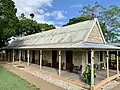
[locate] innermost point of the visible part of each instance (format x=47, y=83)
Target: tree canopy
x=8, y=21
x=109, y=19
x=11, y=25
x=29, y=26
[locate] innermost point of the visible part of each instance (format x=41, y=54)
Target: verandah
x=92, y=66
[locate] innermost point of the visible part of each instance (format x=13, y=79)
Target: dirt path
x=43, y=85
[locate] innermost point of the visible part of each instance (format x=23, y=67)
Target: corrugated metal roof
x=115, y=44
x=95, y=46
x=82, y=45
x=69, y=34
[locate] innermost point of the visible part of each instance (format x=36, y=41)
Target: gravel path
x=43, y=85
x=117, y=87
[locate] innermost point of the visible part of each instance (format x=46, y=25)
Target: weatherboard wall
x=95, y=35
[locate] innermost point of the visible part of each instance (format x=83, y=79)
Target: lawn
x=10, y=81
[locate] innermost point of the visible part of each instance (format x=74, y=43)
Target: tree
x=109, y=17
x=32, y=16
x=10, y=25
x=22, y=16
x=8, y=21
x=27, y=26
x=78, y=19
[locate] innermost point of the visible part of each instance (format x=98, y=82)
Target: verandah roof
x=81, y=45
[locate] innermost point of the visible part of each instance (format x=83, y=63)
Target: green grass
x=10, y=81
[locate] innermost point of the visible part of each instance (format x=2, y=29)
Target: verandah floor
x=100, y=75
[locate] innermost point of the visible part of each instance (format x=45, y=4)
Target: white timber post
x=92, y=69
x=1, y=55
x=5, y=55
x=40, y=59
x=28, y=57
x=107, y=64
x=19, y=56
x=117, y=62
x=8, y=56
x=13, y=55
x=59, y=62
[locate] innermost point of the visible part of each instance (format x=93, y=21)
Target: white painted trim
x=92, y=69
x=28, y=56
x=59, y=62
x=13, y=55
x=108, y=75
x=90, y=31
x=41, y=59
x=117, y=62
x=19, y=56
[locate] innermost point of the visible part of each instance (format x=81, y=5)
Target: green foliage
x=32, y=15
x=8, y=21
x=109, y=19
x=28, y=26
x=78, y=19
x=10, y=25
x=87, y=75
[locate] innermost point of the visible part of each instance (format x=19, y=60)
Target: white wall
x=64, y=59
x=37, y=54
x=97, y=58
x=47, y=55
x=84, y=60
x=80, y=58
x=23, y=55
x=77, y=58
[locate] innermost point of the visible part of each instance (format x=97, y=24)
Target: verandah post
x=92, y=69
x=107, y=64
x=59, y=62
x=40, y=59
x=28, y=56
x=117, y=62
x=19, y=56
x=13, y=55
x=8, y=56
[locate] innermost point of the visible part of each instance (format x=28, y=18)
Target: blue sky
x=56, y=12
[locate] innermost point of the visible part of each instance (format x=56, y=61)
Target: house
x=72, y=46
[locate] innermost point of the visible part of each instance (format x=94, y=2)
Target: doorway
x=33, y=56
x=54, y=58
x=69, y=60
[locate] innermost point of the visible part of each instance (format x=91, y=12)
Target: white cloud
x=76, y=6
x=33, y=6
x=56, y=14
x=39, y=8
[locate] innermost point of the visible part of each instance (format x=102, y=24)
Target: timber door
x=69, y=60
x=54, y=58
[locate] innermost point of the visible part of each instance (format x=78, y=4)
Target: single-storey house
x=65, y=48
